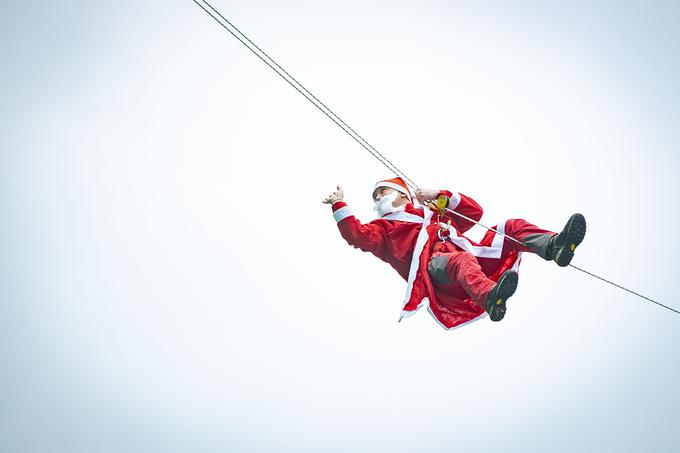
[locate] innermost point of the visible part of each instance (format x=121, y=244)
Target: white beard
x=384, y=206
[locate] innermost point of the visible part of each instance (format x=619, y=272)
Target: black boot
x=562, y=246
x=559, y=247
x=499, y=294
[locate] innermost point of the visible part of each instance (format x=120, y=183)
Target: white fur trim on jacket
x=494, y=251
x=403, y=217
x=415, y=260
x=454, y=201
x=342, y=213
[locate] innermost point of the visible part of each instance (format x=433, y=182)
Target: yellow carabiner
x=442, y=202
x=439, y=204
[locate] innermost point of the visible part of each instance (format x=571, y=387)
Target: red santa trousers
x=459, y=273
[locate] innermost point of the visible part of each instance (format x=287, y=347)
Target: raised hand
x=338, y=195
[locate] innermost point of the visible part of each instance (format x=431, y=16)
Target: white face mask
x=384, y=206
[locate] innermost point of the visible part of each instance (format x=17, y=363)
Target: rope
x=570, y=265
x=625, y=289
x=262, y=55
x=292, y=81
x=483, y=226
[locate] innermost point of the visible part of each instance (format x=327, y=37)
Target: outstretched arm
x=458, y=202
x=367, y=237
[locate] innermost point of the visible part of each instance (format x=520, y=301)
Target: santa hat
x=397, y=184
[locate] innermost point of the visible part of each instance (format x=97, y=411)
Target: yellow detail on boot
x=499, y=301
x=573, y=246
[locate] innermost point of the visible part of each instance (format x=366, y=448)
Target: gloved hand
x=338, y=195
x=425, y=195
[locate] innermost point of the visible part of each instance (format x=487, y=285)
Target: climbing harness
x=444, y=231
x=436, y=205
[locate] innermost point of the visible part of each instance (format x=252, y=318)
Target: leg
x=450, y=266
x=457, y=266
x=544, y=243
x=533, y=238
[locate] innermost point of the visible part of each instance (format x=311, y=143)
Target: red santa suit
x=408, y=240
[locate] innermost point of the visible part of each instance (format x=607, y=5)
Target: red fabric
x=468, y=207
x=337, y=205
x=464, y=270
x=394, y=242
x=450, y=304
x=390, y=241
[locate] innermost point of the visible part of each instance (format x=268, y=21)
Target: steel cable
x=292, y=81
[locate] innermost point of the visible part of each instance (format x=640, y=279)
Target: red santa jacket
x=405, y=240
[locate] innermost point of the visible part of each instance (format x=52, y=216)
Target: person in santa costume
x=459, y=280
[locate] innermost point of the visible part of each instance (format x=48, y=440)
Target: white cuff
x=342, y=213
x=454, y=201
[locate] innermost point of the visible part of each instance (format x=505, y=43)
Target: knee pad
x=436, y=268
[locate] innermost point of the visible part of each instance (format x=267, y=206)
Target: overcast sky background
x=170, y=281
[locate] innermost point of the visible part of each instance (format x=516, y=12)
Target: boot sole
x=576, y=231
x=499, y=294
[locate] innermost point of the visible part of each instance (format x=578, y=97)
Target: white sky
x=170, y=280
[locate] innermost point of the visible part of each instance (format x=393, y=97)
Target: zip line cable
x=292, y=81
x=625, y=289
x=570, y=265
x=262, y=55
